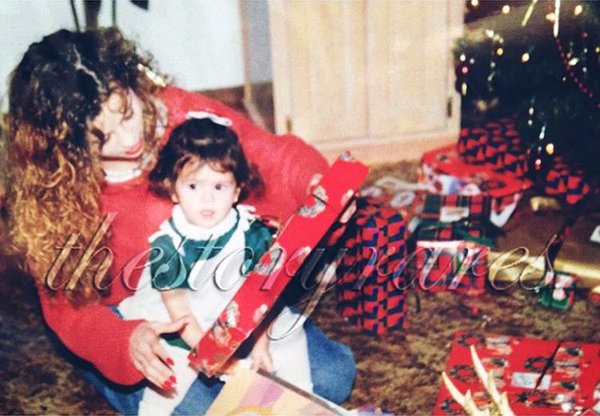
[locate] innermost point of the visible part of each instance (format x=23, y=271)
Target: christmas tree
x=538, y=62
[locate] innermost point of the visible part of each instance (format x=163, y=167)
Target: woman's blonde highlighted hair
x=54, y=175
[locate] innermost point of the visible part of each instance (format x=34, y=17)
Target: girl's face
x=205, y=195
x=122, y=124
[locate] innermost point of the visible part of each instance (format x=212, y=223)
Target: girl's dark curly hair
x=204, y=141
x=54, y=175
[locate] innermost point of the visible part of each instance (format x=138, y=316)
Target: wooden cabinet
x=375, y=77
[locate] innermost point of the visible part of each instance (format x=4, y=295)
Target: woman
x=86, y=122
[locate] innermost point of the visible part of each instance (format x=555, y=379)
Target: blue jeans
x=332, y=369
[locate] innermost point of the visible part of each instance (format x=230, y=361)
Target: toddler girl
x=200, y=255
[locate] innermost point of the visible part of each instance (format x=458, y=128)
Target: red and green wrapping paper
x=453, y=240
x=570, y=384
x=444, y=171
x=277, y=267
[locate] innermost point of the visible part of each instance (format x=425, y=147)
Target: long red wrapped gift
x=278, y=266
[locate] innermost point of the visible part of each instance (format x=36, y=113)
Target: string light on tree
x=528, y=13
x=540, y=74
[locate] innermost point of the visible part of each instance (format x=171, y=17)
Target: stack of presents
x=473, y=222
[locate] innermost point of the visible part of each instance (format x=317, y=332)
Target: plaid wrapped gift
x=459, y=266
x=455, y=217
x=370, y=287
x=497, y=145
x=445, y=172
x=562, y=180
x=452, y=243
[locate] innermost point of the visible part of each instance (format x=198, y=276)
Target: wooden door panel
x=408, y=52
x=319, y=68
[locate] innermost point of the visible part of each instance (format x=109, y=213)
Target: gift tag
x=595, y=237
x=529, y=380
x=452, y=214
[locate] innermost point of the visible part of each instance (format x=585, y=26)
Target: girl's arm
x=261, y=357
x=177, y=304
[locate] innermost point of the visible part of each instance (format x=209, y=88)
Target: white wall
x=23, y=22
x=198, y=42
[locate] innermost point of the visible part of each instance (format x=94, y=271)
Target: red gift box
x=452, y=244
x=564, y=181
x=496, y=145
x=371, y=288
x=459, y=266
x=276, y=267
x=570, y=380
x=447, y=174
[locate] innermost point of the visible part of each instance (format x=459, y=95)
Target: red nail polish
x=172, y=379
x=167, y=385
x=170, y=361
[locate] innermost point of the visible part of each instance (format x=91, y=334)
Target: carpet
x=399, y=372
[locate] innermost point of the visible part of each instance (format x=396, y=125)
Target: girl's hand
x=149, y=357
x=261, y=358
x=192, y=333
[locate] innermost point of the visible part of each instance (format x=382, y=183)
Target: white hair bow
x=223, y=121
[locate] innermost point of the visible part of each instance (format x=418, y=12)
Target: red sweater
x=94, y=332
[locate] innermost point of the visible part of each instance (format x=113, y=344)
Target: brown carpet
x=399, y=372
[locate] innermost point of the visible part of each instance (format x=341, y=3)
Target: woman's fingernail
x=167, y=385
x=170, y=361
x=172, y=379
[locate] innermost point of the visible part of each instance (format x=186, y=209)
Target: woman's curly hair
x=54, y=177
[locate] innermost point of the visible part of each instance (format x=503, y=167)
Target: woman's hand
x=149, y=357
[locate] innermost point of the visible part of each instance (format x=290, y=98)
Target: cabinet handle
x=449, y=107
x=288, y=124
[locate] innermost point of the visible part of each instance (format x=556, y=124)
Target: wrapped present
x=445, y=173
x=250, y=392
x=524, y=252
x=564, y=181
x=370, y=287
x=558, y=291
x=278, y=265
x=456, y=217
x=452, y=243
x=405, y=197
x=580, y=252
x=539, y=376
x=459, y=266
x=496, y=145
